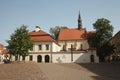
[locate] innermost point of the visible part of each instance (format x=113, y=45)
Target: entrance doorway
x=47, y=58
x=30, y=57
x=39, y=58
x=23, y=58
x=92, y=58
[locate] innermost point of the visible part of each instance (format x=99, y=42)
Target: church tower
x=79, y=22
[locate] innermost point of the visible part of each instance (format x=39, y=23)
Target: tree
x=20, y=43
x=100, y=39
x=105, y=50
x=56, y=30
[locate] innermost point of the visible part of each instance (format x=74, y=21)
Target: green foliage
x=103, y=31
x=106, y=49
x=100, y=39
x=56, y=30
x=19, y=43
x=91, y=40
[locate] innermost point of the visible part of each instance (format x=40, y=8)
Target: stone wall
x=62, y=57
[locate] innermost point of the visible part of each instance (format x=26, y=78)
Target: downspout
x=51, y=52
x=71, y=53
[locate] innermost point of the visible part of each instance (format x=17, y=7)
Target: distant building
x=3, y=52
x=71, y=46
x=115, y=40
x=75, y=38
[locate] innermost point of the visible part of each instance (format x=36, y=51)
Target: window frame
x=40, y=47
x=47, y=46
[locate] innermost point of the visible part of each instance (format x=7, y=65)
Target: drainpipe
x=71, y=53
x=51, y=52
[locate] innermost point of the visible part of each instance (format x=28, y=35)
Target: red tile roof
x=1, y=47
x=41, y=36
x=5, y=51
x=41, y=32
x=72, y=34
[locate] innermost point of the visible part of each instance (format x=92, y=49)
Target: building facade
x=115, y=40
x=71, y=47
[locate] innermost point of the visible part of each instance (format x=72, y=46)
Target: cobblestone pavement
x=21, y=71
x=105, y=71
x=58, y=72
x=52, y=71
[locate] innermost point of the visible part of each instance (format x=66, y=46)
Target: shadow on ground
x=105, y=71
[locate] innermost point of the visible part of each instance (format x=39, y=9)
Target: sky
x=51, y=13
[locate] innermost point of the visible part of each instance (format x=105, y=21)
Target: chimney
x=37, y=29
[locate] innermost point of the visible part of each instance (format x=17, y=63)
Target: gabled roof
x=115, y=38
x=72, y=34
x=40, y=32
x=41, y=36
x=42, y=39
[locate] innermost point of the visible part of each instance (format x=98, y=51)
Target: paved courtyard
x=102, y=71
x=48, y=71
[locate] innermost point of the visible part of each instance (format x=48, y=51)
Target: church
x=71, y=47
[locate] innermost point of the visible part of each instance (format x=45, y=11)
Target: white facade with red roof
x=75, y=38
x=71, y=46
x=43, y=42
x=46, y=49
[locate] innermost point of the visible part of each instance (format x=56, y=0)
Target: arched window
x=30, y=57
x=92, y=58
x=39, y=58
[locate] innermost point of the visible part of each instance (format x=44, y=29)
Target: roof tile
x=72, y=34
x=40, y=36
x=41, y=32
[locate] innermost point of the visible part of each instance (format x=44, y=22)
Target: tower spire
x=79, y=21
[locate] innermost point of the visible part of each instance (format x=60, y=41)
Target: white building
x=72, y=46
x=3, y=52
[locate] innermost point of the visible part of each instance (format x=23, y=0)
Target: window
x=47, y=47
x=64, y=48
x=40, y=47
x=81, y=47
